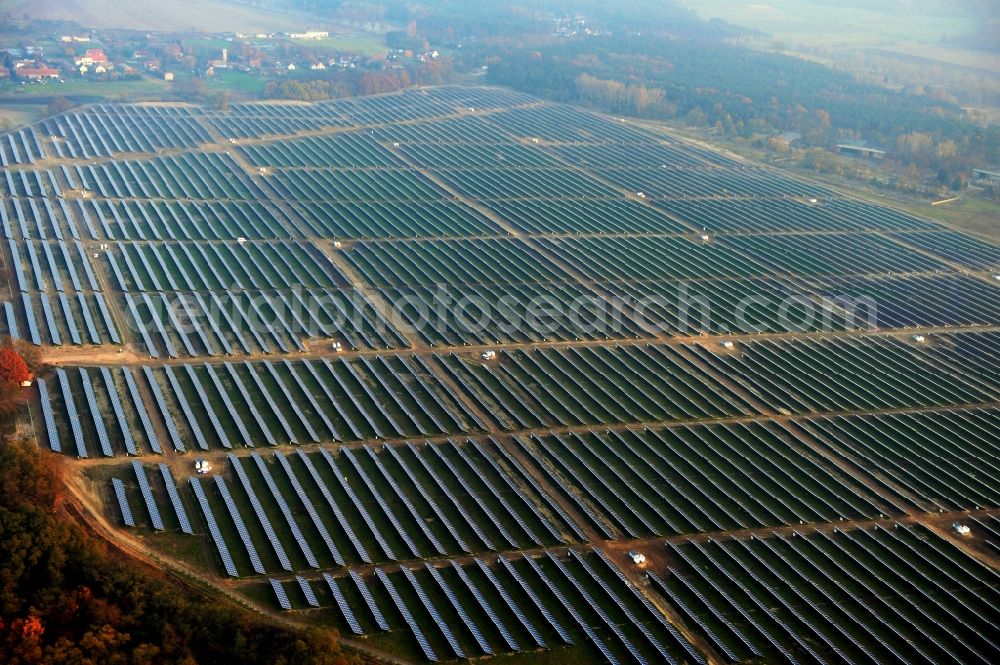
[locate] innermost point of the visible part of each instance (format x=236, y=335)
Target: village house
x=93, y=56
x=36, y=73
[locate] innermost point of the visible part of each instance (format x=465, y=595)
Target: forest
x=754, y=92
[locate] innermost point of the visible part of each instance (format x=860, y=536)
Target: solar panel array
x=241, y=527
x=529, y=592
x=342, y=605
x=369, y=600
x=126, y=511
x=147, y=425
x=213, y=528
x=307, y=591
x=418, y=634
x=95, y=412
x=69, y=403
x=161, y=403
x=334, y=507
x=298, y=302
x=147, y=496
x=285, y=511
x=571, y=609
x=55, y=445
x=279, y=593
x=490, y=612
x=175, y=500
x=116, y=405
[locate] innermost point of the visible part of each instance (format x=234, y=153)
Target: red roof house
x=37, y=73
x=96, y=54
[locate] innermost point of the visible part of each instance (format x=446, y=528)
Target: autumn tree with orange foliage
x=13, y=369
x=31, y=354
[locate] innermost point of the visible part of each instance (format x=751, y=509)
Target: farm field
x=144, y=87
x=435, y=368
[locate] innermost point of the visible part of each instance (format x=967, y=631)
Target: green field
x=144, y=88
x=363, y=44
x=208, y=43
x=242, y=84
